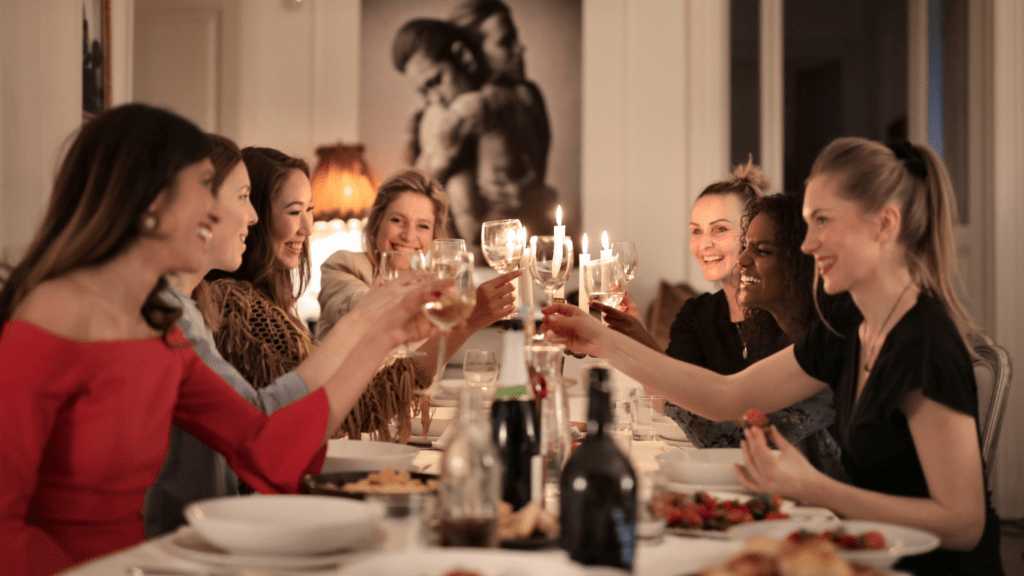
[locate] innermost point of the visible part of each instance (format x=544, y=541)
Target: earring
x=149, y=222
x=204, y=233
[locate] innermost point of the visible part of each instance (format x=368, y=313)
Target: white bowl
x=284, y=524
x=668, y=429
x=365, y=456
x=711, y=466
x=440, y=420
x=900, y=541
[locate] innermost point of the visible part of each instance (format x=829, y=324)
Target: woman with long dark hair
x=93, y=371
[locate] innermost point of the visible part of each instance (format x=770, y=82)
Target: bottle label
x=511, y=392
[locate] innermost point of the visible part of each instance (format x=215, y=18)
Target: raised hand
x=397, y=307
x=627, y=323
x=580, y=331
x=787, y=474
x=494, y=300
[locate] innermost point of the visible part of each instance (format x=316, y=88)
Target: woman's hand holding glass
x=495, y=300
x=396, y=308
x=502, y=243
x=392, y=264
x=550, y=262
x=605, y=281
x=579, y=331
x=454, y=304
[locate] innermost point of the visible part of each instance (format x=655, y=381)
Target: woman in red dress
x=93, y=372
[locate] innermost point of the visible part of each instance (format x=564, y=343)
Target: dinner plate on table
x=900, y=541
x=189, y=544
x=484, y=562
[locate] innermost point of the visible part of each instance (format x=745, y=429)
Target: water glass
x=643, y=410
x=480, y=369
x=408, y=520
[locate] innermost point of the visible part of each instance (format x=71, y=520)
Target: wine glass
x=480, y=369
x=447, y=247
x=392, y=264
x=456, y=302
x=626, y=252
x=605, y=281
x=502, y=243
x=550, y=262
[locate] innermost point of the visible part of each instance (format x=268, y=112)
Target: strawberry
x=848, y=542
x=874, y=540
x=755, y=418
x=776, y=516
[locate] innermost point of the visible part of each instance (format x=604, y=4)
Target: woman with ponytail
x=880, y=227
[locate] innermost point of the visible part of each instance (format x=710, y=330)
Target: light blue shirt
x=192, y=470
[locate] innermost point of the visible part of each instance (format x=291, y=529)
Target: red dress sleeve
x=270, y=454
x=31, y=394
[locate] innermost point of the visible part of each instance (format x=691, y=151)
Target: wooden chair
x=993, y=371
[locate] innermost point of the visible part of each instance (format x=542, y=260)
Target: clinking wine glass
x=456, y=302
x=446, y=247
x=392, y=264
x=502, y=243
x=626, y=253
x=605, y=281
x=550, y=262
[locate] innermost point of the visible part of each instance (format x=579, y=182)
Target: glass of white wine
x=626, y=253
x=454, y=304
x=480, y=369
x=550, y=262
x=392, y=264
x=446, y=247
x=605, y=281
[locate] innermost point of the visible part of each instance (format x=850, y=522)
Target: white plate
x=366, y=456
x=663, y=481
x=187, y=543
x=438, y=562
x=283, y=524
x=900, y=540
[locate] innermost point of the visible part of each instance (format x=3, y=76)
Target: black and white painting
x=483, y=94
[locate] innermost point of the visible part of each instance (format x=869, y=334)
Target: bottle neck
x=514, y=379
x=599, y=411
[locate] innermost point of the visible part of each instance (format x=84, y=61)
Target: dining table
x=664, y=554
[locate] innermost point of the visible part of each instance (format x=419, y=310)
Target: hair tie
x=912, y=159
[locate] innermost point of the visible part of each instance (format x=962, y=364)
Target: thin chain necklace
x=871, y=349
x=742, y=339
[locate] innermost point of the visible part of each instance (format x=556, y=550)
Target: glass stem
x=441, y=345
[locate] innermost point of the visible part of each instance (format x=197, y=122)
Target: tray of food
x=709, y=514
x=359, y=484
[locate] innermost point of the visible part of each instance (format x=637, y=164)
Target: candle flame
x=604, y=240
x=558, y=215
x=586, y=245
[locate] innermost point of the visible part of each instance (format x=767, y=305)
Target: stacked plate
x=365, y=456
x=701, y=469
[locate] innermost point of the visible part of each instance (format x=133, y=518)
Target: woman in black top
x=881, y=228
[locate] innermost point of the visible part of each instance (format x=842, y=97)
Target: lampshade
x=343, y=185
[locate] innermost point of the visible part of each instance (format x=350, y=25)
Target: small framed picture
x=95, y=57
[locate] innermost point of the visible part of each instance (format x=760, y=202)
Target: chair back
x=993, y=372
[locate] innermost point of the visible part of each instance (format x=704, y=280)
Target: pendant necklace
x=742, y=339
x=871, y=348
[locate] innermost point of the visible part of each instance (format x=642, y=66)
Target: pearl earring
x=149, y=222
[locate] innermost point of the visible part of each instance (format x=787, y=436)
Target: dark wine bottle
x=514, y=423
x=599, y=491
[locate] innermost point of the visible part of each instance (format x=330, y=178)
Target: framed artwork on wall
x=484, y=95
x=95, y=57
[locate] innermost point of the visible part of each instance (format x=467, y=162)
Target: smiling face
x=501, y=47
x=438, y=81
x=185, y=218
x=841, y=237
x=292, y=220
x=408, y=223
x=235, y=215
x=715, y=234
x=762, y=278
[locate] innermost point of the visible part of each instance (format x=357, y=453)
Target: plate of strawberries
x=872, y=543
x=701, y=513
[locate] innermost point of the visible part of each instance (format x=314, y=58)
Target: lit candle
x=511, y=242
x=584, y=259
x=556, y=258
x=606, y=250
x=526, y=283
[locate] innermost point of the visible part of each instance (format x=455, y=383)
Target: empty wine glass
x=550, y=262
x=480, y=369
x=605, y=281
x=392, y=264
x=455, y=303
x=626, y=252
x=502, y=244
x=447, y=247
